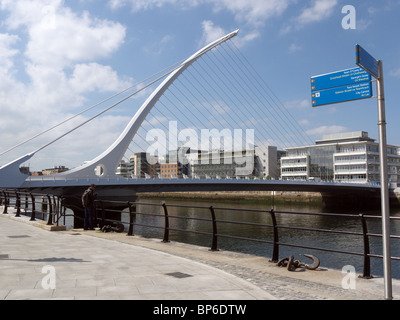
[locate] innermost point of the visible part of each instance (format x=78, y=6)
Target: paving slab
x=87, y=267
x=93, y=265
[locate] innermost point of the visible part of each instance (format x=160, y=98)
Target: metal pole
x=387, y=267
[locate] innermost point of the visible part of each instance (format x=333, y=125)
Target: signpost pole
x=335, y=88
x=387, y=267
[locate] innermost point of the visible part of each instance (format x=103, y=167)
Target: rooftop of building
x=356, y=136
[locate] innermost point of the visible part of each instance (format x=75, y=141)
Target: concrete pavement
x=90, y=268
x=92, y=265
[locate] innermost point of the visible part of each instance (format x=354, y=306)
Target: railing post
x=56, y=209
x=132, y=211
x=5, y=203
x=26, y=203
x=215, y=232
x=103, y=214
x=33, y=214
x=367, y=258
x=44, y=206
x=63, y=209
x=275, y=252
x=50, y=218
x=166, y=224
x=18, y=204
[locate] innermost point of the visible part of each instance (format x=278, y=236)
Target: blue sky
x=59, y=57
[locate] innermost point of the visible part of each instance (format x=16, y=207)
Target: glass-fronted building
x=344, y=157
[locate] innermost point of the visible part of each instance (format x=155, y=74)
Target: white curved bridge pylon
x=105, y=165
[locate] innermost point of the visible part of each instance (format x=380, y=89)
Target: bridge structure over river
x=102, y=169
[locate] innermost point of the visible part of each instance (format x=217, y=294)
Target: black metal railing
x=277, y=229
x=54, y=209
x=51, y=207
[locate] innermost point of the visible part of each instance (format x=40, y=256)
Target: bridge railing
x=37, y=205
x=105, y=208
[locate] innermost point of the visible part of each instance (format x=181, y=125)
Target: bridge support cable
x=96, y=105
x=212, y=89
x=105, y=110
x=218, y=90
x=176, y=102
x=236, y=105
x=110, y=158
x=244, y=89
x=250, y=69
x=222, y=93
x=263, y=107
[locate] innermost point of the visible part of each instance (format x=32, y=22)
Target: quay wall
x=324, y=200
x=301, y=197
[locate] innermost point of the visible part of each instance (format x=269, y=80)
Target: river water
x=341, y=242
x=150, y=213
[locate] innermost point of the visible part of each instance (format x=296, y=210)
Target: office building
x=343, y=157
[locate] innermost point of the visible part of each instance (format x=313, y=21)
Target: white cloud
x=6, y=51
x=304, y=122
x=320, y=9
x=317, y=11
x=395, y=73
x=298, y=104
x=93, y=76
x=58, y=36
x=49, y=63
x=139, y=5
x=320, y=131
x=211, y=32
x=294, y=48
x=252, y=12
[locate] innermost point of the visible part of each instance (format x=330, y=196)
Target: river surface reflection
x=341, y=242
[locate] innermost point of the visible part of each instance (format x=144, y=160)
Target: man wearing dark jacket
x=88, y=198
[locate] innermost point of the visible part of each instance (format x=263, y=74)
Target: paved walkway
x=91, y=268
x=94, y=265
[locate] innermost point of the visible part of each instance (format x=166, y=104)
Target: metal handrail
x=56, y=211
x=52, y=206
x=214, y=222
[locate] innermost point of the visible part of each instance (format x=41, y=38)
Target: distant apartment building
x=343, y=157
x=49, y=171
x=171, y=170
x=260, y=162
x=140, y=165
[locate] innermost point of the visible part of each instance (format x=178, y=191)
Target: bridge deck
x=165, y=185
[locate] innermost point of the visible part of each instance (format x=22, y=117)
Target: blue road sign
x=366, y=61
x=342, y=94
x=339, y=78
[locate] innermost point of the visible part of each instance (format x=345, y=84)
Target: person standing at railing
x=88, y=198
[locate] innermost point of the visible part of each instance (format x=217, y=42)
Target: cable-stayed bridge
x=214, y=88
